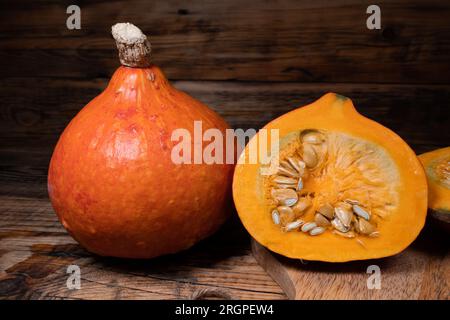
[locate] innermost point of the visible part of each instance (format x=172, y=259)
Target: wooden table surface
x=250, y=64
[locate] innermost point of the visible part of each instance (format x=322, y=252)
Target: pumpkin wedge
x=340, y=188
x=437, y=169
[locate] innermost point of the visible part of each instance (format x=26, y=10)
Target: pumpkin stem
x=134, y=48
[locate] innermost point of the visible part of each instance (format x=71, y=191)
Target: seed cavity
x=344, y=212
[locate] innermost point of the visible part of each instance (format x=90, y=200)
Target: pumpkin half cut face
x=344, y=187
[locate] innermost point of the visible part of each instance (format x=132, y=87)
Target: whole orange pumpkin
x=111, y=178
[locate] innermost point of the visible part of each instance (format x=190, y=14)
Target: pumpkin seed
x=361, y=212
x=287, y=217
x=321, y=221
x=349, y=234
x=313, y=138
x=309, y=156
x=284, y=180
x=286, y=186
x=351, y=201
x=327, y=211
x=365, y=227
x=287, y=197
x=299, y=184
x=356, y=226
x=374, y=234
x=287, y=172
x=301, y=206
x=295, y=163
x=309, y=226
x=290, y=202
x=302, y=164
x=316, y=231
x=284, y=210
x=338, y=225
x=345, y=205
x=285, y=164
x=294, y=225
x=275, y=217
x=344, y=215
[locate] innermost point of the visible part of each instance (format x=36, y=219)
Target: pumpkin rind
x=336, y=113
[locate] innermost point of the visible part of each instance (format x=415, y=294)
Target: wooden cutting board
x=420, y=272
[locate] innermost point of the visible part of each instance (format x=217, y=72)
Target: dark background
x=251, y=61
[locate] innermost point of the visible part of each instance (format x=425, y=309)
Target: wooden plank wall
x=249, y=60
x=285, y=40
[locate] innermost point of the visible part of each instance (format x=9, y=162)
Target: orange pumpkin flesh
x=437, y=168
x=111, y=178
x=365, y=161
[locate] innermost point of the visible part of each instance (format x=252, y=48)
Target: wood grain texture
x=35, y=252
x=284, y=40
x=422, y=271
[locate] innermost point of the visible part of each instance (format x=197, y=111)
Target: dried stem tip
x=134, y=48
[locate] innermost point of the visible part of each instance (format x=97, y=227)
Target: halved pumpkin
x=437, y=169
x=342, y=187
